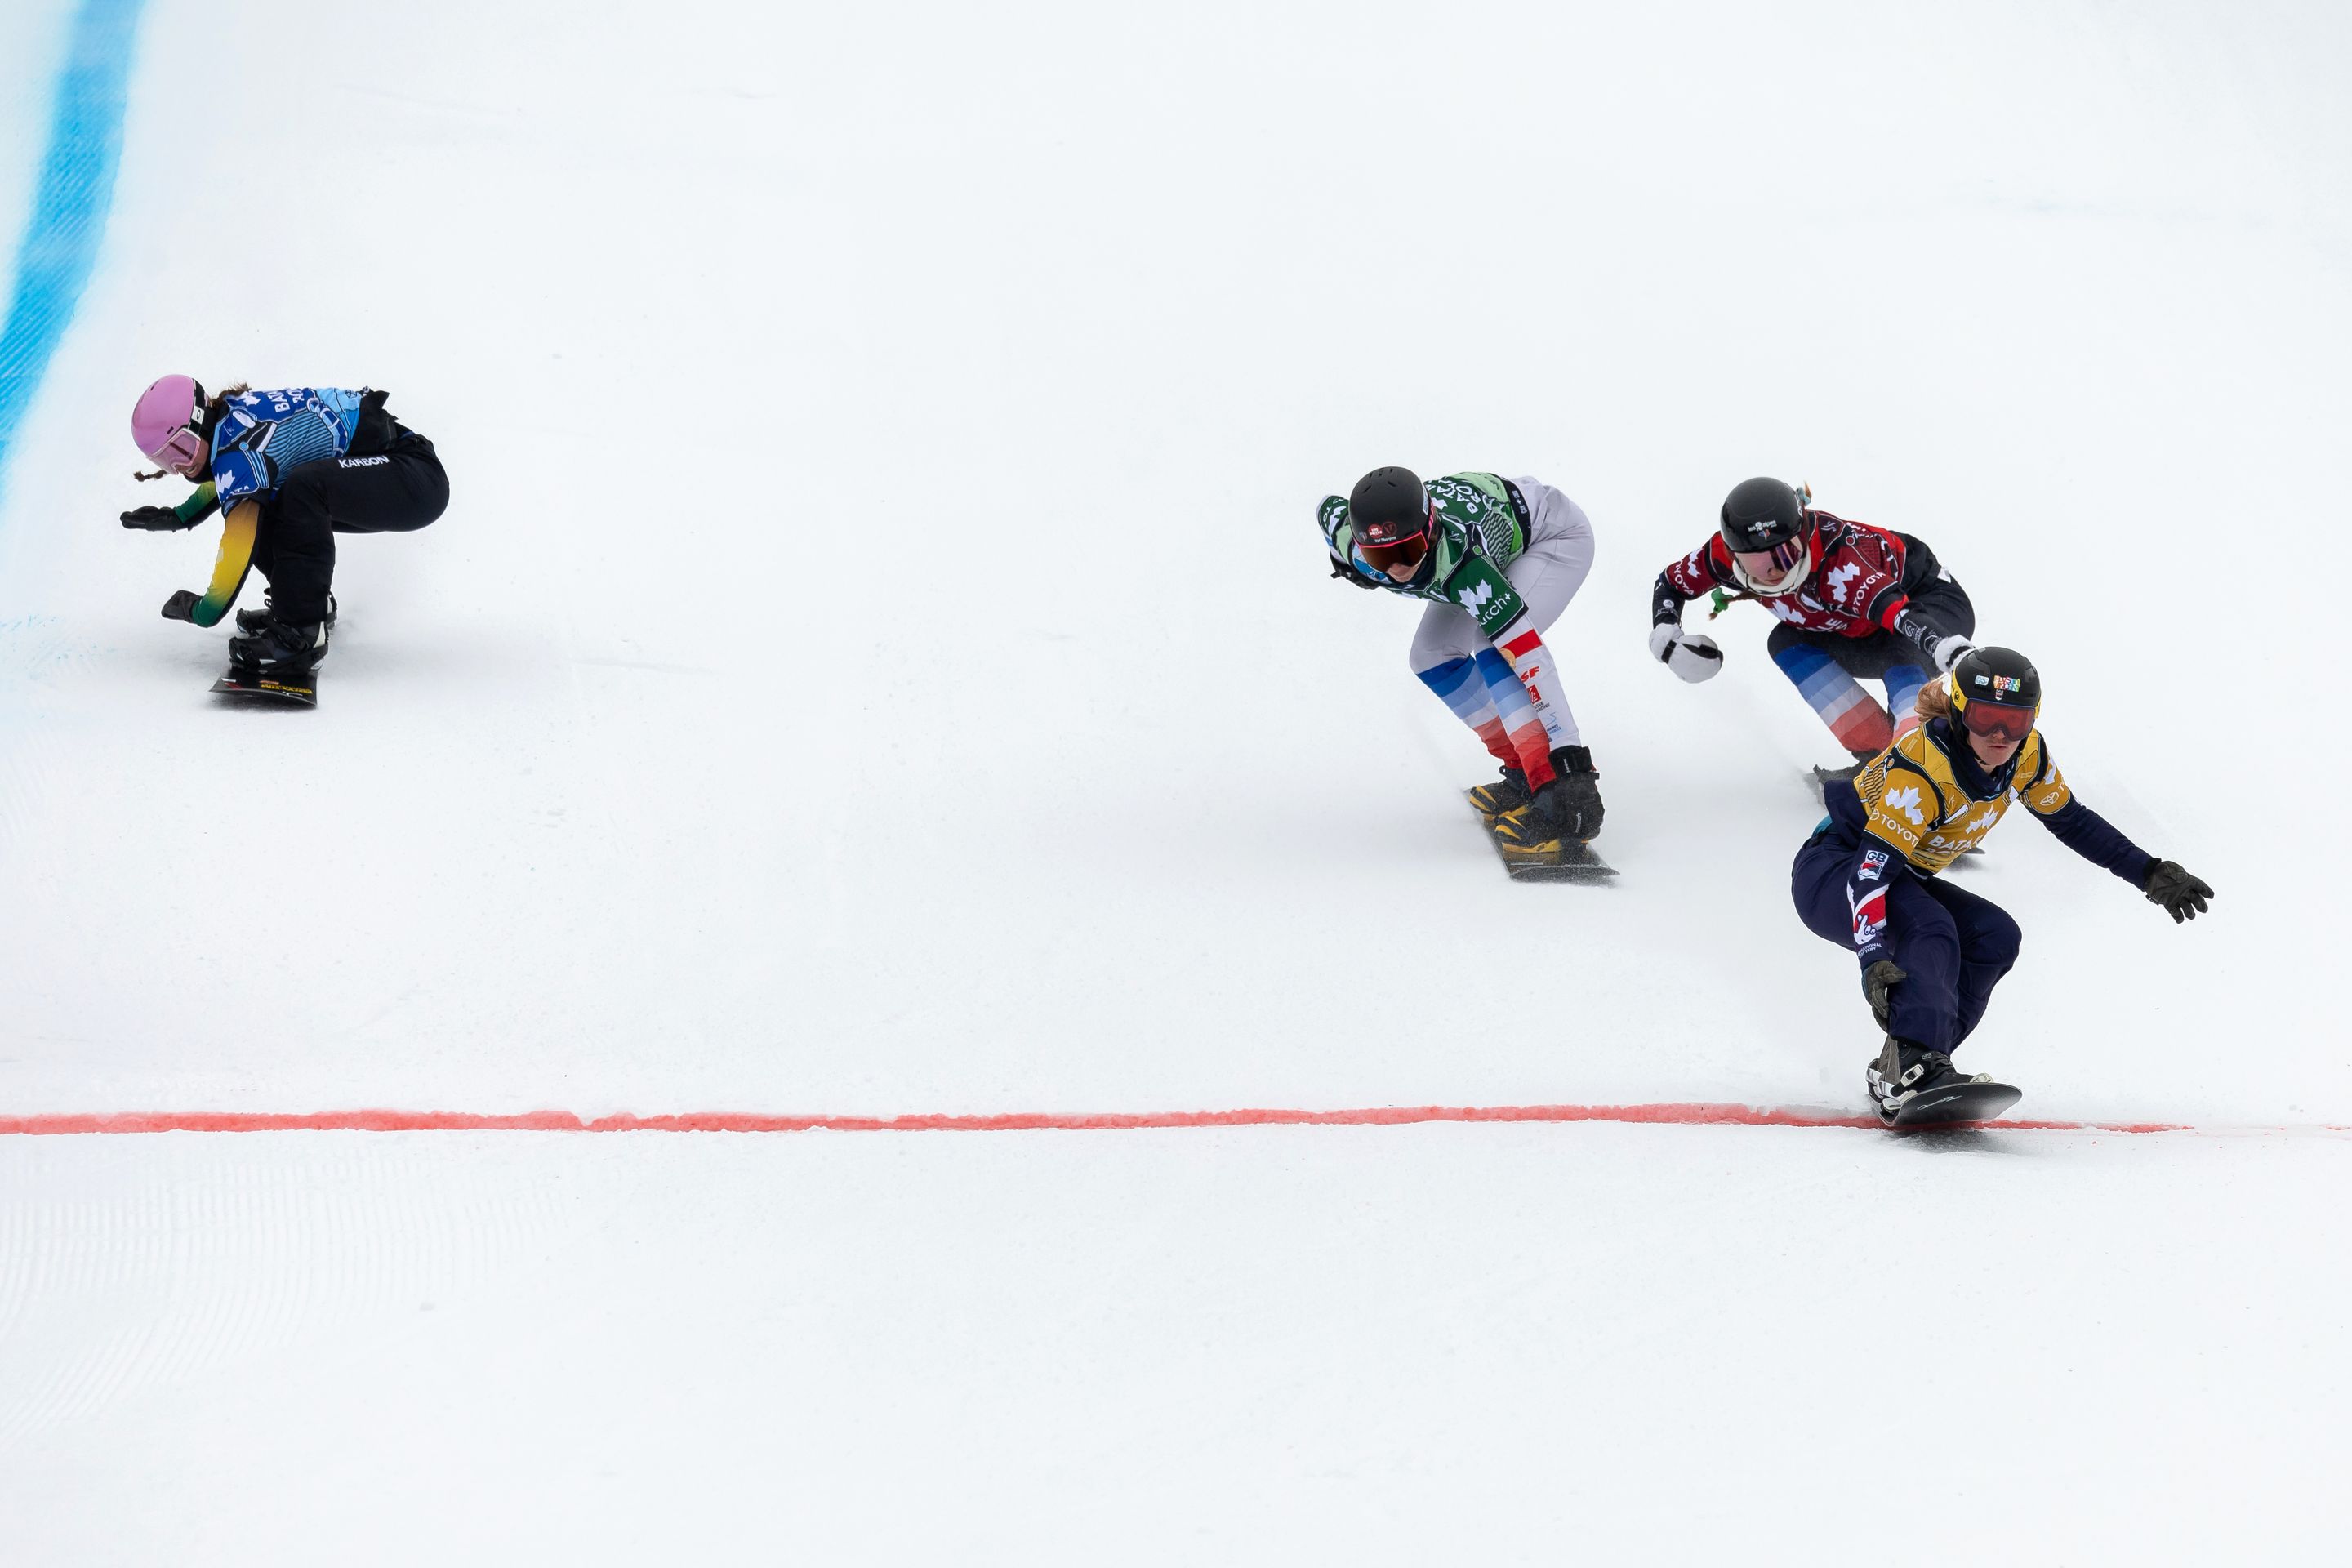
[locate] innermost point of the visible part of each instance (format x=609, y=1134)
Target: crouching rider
x=1499, y=560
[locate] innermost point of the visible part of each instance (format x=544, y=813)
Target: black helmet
x=1995, y=691
x=1389, y=496
x=1764, y=516
x=1760, y=513
x=1389, y=512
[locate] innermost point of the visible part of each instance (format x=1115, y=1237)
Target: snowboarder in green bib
x=1499, y=560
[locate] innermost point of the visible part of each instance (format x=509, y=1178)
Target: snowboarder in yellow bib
x=1867, y=880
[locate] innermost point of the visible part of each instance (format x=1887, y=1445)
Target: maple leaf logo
x=1475, y=599
x=1842, y=579
x=1906, y=801
x=1984, y=820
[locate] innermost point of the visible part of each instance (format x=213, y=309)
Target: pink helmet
x=168, y=424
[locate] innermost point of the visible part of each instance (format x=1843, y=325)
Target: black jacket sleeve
x=1666, y=602
x=2100, y=842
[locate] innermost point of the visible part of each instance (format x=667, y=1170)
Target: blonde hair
x=1935, y=700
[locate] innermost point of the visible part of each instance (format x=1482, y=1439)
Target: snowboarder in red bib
x=1869, y=881
x=1856, y=602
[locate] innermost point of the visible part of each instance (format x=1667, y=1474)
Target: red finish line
x=1682, y=1113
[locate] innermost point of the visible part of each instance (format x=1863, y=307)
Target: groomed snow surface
x=877, y=663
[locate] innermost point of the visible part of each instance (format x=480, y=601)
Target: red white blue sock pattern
x=1539, y=674
x=1485, y=694
x=1856, y=720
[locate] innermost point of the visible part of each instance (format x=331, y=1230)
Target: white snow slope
x=878, y=661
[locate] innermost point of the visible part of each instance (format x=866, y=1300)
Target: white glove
x=1694, y=659
x=1948, y=651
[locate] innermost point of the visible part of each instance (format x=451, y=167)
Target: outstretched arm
x=2099, y=841
x=202, y=502
x=2169, y=885
x=2077, y=826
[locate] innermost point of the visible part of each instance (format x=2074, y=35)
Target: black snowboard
x=1957, y=1105
x=252, y=688
x=1572, y=862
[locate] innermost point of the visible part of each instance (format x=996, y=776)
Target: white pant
x=1559, y=557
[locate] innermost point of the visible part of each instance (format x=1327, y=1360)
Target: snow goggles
x=1783, y=555
x=180, y=451
x=1386, y=544
x=1996, y=721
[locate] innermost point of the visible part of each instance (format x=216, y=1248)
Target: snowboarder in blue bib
x=288, y=470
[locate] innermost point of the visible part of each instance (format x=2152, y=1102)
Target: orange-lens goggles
x=1996, y=723
x=1386, y=544
x=1406, y=552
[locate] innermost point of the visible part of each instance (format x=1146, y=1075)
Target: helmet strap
x=1788, y=582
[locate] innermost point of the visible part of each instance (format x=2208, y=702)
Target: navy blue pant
x=1952, y=946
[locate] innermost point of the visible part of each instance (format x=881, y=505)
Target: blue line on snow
x=70, y=203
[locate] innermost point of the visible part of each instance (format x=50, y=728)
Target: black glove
x=153, y=518
x=2175, y=892
x=1878, y=981
x=1341, y=569
x=181, y=605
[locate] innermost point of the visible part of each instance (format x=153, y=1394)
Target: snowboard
x=1957, y=1105
x=299, y=691
x=1572, y=862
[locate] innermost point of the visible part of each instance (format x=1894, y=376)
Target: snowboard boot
x=1564, y=811
x=250, y=621
x=1902, y=1071
x=1505, y=794
x=276, y=649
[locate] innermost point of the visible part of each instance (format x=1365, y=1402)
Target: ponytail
x=218, y=407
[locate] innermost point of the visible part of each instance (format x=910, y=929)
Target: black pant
x=1828, y=668
x=396, y=491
